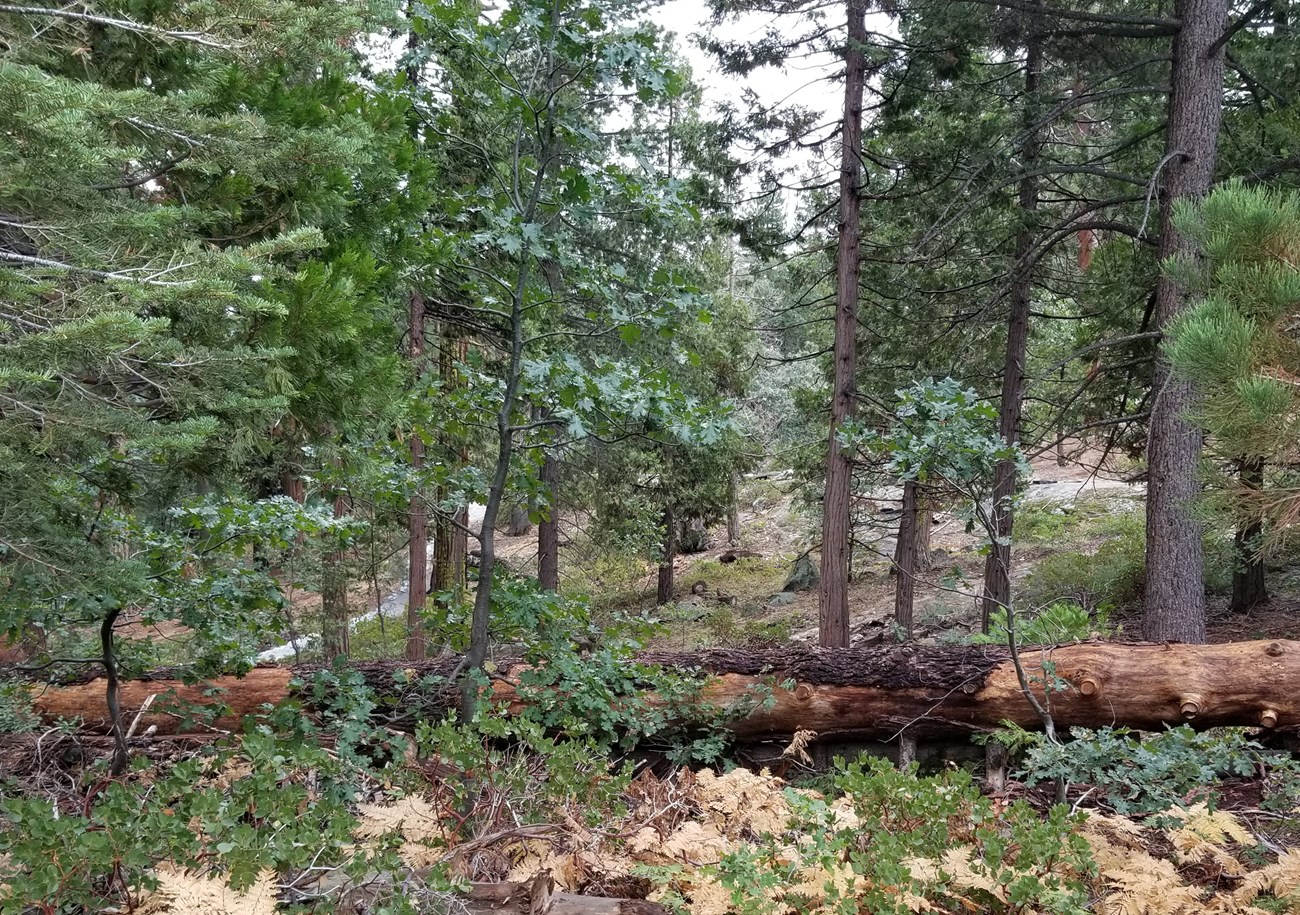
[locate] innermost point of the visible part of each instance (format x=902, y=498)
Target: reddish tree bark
x=833, y=599
x=997, y=567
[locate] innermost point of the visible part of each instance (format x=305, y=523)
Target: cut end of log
x=1268, y=718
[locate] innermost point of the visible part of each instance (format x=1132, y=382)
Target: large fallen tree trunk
x=852, y=692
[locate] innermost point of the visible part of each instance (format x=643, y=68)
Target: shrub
x=1150, y=773
x=1115, y=574
x=1059, y=622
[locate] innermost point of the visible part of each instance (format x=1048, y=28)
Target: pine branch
x=198, y=38
x=120, y=275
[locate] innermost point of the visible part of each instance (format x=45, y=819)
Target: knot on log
x=1268, y=718
x=1275, y=650
x=1190, y=707
x=1089, y=687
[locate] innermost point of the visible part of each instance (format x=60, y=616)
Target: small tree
x=1238, y=348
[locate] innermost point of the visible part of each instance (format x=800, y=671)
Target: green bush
x=1148, y=774
x=1115, y=574
x=1057, y=623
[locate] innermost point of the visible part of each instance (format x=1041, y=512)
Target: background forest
x=455, y=374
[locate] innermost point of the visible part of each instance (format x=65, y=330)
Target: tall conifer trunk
x=335, y=621
x=417, y=588
x=448, y=537
x=997, y=567
x=1248, y=589
x=666, y=588
x=836, y=528
x=548, y=529
x=1174, y=608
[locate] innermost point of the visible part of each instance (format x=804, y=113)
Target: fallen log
x=530, y=898
x=536, y=896
x=859, y=693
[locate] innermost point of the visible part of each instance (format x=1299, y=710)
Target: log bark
x=524, y=899
x=868, y=693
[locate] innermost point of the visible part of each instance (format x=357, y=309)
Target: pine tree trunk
x=335, y=619
x=1248, y=589
x=997, y=567
x=666, y=589
x=833, y=600
x=905, y=558
x=448, y=538
x=518, y=524
x=1174, y=607
x=924, y=527
x=548, y=529
x=733, y=512
x=417, y=587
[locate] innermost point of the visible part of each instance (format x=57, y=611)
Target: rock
x=804, y=576
x=699, y=587
x=783, y=599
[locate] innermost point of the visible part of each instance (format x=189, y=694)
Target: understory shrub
x=1149, y=773
x=1115, y=574
x=1057, y=623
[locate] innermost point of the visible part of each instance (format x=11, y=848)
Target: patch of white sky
x=807, y=80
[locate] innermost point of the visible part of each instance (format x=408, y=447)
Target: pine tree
x=1237, y=347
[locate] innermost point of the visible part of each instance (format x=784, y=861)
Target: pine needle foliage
x=1238, y=345
x=178, y=185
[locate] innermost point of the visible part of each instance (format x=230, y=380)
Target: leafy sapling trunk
x=476, y=657
x=121, y=757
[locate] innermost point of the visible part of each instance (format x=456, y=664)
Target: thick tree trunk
x=997, y=567
x=548, y=529
x=924, y=528
x=336, y=621
x=666, y=589
x=1174, y=606
x=1248, y=589
x=417, y=588
x=449, y=543
x=905, y=559
x=860, y=692
x=833, y=600
x=518, y=523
